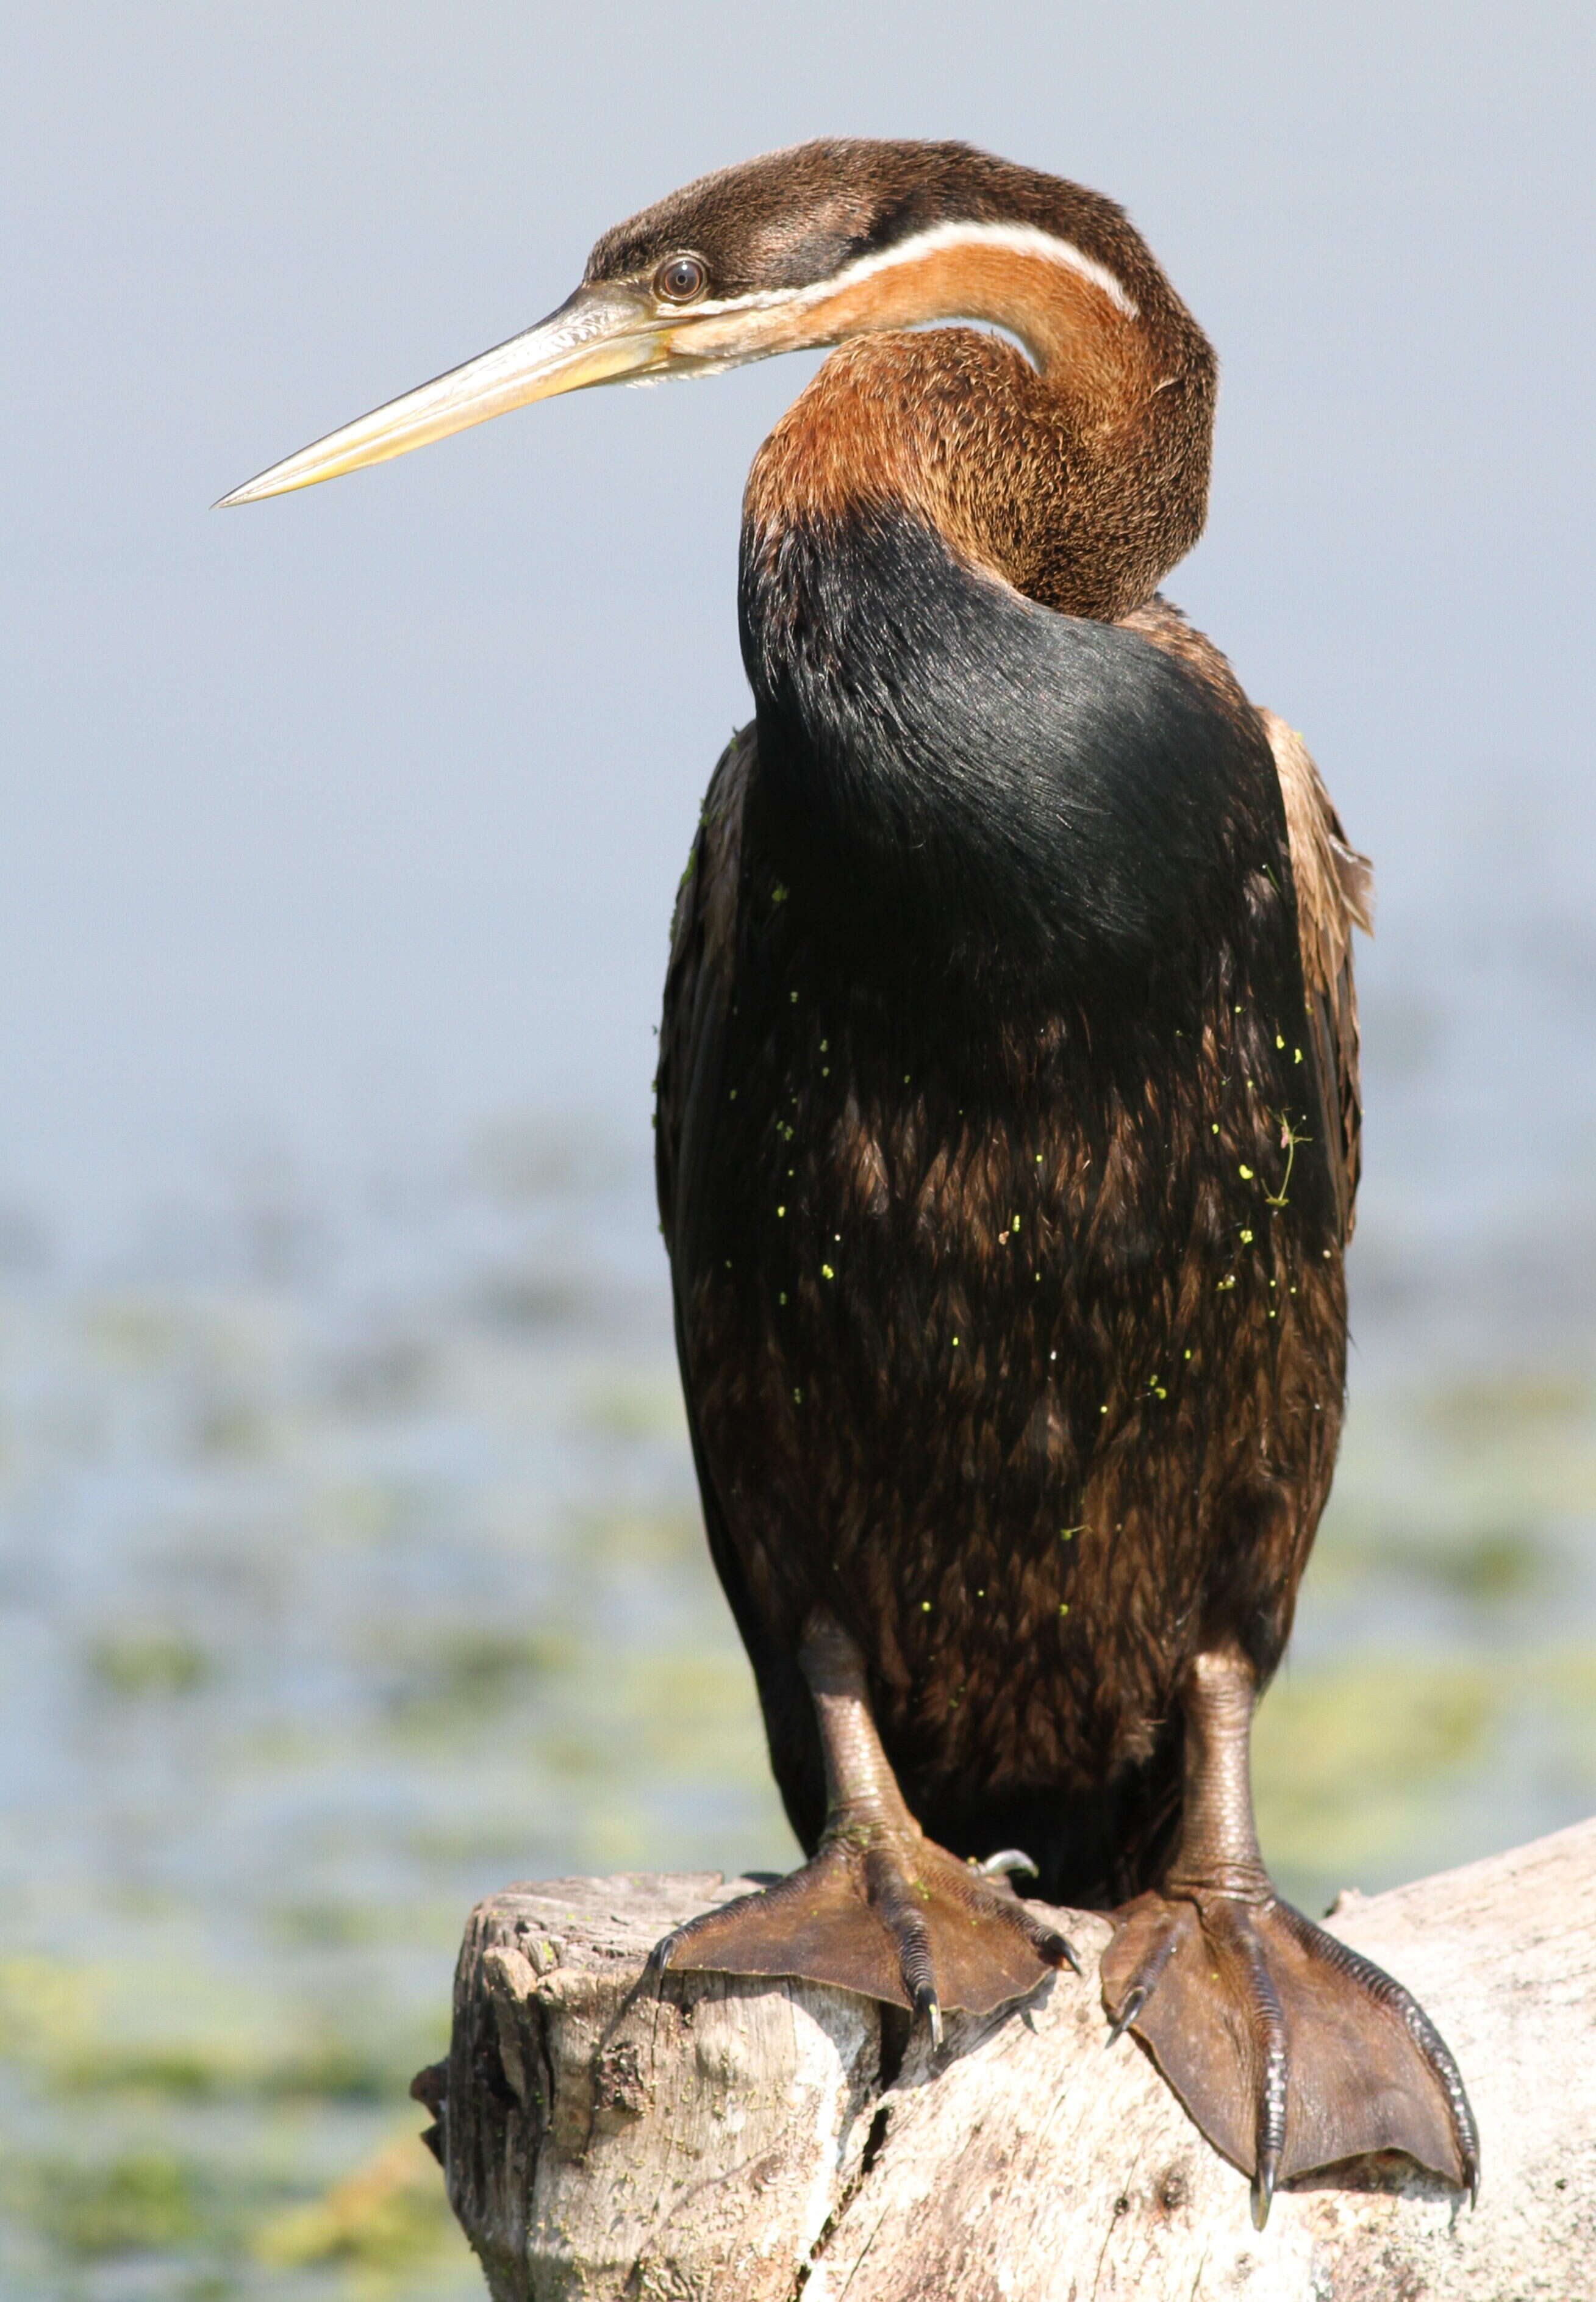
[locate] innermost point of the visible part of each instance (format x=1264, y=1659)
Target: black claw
x=1263, y=2182
x=926, y=2002
x=659, y=1956
x=1135, y=2000
x=1061, y=1951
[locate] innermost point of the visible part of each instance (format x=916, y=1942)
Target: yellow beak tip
x=248, y=493
x=596, y=337
x=264, y=484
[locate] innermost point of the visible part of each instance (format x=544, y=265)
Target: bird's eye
x=680, y=279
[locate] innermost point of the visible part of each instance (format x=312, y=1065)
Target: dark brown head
x=808, y=222
x=810, y=247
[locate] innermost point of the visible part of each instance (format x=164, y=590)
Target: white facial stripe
x=1018, y=239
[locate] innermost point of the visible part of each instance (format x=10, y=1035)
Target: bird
x=1008, y=1128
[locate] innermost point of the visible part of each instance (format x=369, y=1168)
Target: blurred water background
x=349, y=1565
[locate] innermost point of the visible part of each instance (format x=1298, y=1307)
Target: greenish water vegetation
x=340, y=1586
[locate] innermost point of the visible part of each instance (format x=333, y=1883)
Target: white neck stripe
x=1018, y=238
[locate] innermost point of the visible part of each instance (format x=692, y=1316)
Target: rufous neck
x=1078, y=474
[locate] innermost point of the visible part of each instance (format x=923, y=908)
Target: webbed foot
x=887, y=1913
x=881, y=1908
x=1289, y=2051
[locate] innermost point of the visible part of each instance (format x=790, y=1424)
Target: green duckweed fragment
x=778, y=893
x=1015, y=1224
x=1064, y=1607
x=797, y=1399
x=925, y=1606
x=1247, y=1239
x=781, y=1211
x=955, y=1342
x=1245, y=1172
x=1224, y=1284
x=1278, y=1040
x=826, y=1271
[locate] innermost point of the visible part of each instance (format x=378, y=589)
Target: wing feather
x=697, y=998
x=1335, y=888
x=692, y=1054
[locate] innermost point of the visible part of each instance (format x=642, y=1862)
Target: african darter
x=1008, y=1127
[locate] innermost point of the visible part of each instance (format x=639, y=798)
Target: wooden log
x=609, y=2134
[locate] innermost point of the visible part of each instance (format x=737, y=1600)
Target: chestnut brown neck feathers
x=1080, y=480
x=1080, y=485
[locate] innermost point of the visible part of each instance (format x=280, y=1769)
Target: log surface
x=606, y=2134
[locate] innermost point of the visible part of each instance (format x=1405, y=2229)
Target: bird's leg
x=1289, y=2051
x=880, y=1909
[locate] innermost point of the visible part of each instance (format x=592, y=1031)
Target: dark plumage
x=1008, y=1128
x=985, y=1309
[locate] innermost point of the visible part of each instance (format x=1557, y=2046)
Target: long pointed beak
x=599, y=335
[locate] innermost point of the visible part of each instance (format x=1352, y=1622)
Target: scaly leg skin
x=1289, y=2051
x=881, y=1909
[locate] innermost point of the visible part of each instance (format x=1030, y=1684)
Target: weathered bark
x=605, y=2135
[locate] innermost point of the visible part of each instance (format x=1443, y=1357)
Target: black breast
x=967, y=784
